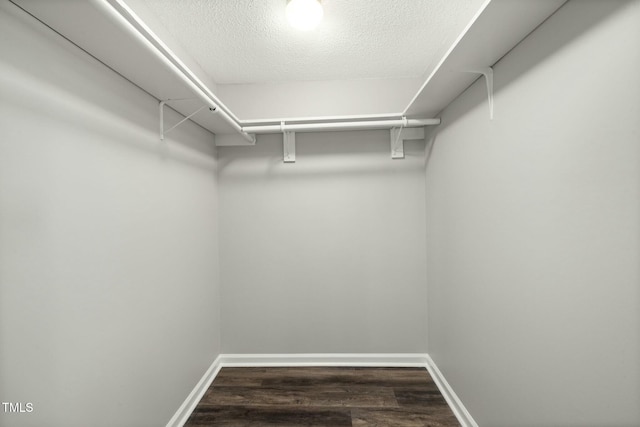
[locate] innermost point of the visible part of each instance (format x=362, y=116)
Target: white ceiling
x=249, y=41
x=389, y=61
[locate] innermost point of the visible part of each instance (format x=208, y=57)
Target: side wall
x=325, y=255
x=533, y=229
x=109, y=292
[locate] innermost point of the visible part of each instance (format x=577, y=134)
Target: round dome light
x=304, y=14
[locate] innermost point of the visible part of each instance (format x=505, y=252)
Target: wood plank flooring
x=323, y=397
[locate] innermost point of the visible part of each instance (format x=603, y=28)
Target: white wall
x=325, y=255
x=108, y=257
x=318, y=98
x=533, y=229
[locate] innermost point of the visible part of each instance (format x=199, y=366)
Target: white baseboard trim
x=385, y=360
x=325, y=359
x=461, y=413
x=184, y=411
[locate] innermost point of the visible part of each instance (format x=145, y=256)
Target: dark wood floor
x=323, y=397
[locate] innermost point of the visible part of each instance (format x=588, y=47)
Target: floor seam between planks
x=322, y=397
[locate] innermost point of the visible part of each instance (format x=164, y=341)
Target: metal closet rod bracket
x=402, y=129
x=163, y=132
x=488, y=77
x=400, y=134
x=288, y=144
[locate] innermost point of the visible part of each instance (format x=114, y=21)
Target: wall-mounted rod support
x=488, y=77
x=161, y=107
x=337, y=126
x=289, y=146
x=397, y=137
x=129, y=21
x=164, y=132
x=397, y=144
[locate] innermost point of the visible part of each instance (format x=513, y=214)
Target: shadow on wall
x=80, y=103
x=577, y=25
x=105, y=106
x=430, y=141
x=323, y=155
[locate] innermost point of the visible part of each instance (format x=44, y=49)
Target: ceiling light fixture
x=304, y=14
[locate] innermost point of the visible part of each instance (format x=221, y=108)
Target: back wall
x=325, y=255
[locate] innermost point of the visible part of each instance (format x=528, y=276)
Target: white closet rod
x=129, y=21
x=336, y=126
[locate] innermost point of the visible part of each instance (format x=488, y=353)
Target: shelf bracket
x=163, y=132
x=397, y=143
x=401, y=134
x=488, y=77
x=288, y=145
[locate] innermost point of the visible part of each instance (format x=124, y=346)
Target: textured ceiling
x=249, y=41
